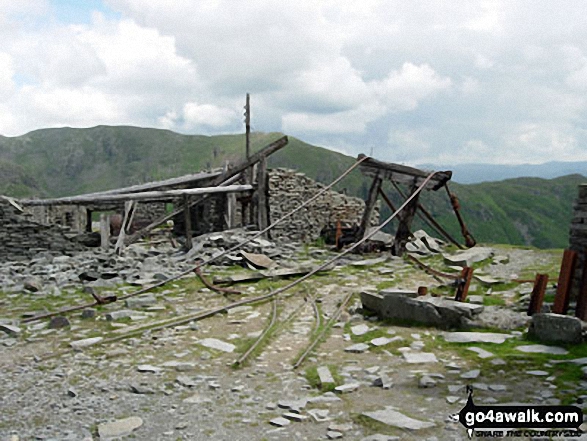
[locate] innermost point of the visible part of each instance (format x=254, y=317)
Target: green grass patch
x=313, y=378
x=493, y=300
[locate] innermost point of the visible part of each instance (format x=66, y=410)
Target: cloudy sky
x=416, y=81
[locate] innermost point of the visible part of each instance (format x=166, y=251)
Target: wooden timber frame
x=396, y=173
x=248, y=178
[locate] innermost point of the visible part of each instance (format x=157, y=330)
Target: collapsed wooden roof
x=402, y=173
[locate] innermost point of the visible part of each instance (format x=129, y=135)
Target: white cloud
x=6, y=74
x=404, y=89
x=487, y=79
x=196, y=115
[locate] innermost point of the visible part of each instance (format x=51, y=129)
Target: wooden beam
x=188, y=222
x=144, y=196
x=192, y=180
x=261, y=193
x=104, y=231
x=369, y=206
x=402, y=173
x=129, y=214
x=402, y=235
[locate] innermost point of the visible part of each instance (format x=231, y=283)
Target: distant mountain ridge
x=475, y=173
x=66, y=161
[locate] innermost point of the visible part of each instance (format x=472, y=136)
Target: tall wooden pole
x=248, y=126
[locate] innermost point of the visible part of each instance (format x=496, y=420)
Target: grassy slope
x=56, y=162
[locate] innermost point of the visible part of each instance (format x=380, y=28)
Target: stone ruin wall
x=288, y=189
x=21, y=238
x=75, y=217
x=578, y=236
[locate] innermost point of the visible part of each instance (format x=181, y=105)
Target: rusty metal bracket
x=208, y=285
x=563, y=289
x=581, y=308
x=537, y=296
x=456, y=206
x=463, y=284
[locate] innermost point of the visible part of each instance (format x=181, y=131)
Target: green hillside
x=65, y=161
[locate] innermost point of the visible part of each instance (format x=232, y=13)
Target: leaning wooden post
x=104, y=231
x=537, y=296
x=188, y=222
x=369, y=206
x=129, y=213
x=403, y=232
x=563, y=289
x=262, y=206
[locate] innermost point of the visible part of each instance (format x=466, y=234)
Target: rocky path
x=386, y=381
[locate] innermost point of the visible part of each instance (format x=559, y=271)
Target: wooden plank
x=230, y=210
x=104, y=231
x=261, y=193
x=191, y=180
x=563, y=289
x=188, y=222
x=403, y=173
x=369, y=206
x=144, y=196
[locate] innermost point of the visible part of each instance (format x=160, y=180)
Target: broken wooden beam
x=369, y=206
x=403, y=173
x=143, y=196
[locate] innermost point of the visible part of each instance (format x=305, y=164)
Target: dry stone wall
x=22, y=238
x=288, y=189
x=578, y=236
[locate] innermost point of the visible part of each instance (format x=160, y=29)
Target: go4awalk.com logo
x=519, y=421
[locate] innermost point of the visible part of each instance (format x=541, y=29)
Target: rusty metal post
x=463, y=284
x=537, y=297
x=563, y=289
x=581, y=309
x=422, y=291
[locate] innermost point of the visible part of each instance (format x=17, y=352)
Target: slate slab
x=360, y=329
x=218, y=345
x=358, y=348
x=476, y=337
x=119, y=428
x=79, y=344
x=482, y=353
x=542, y=349
x=392, y=417
x=325, y=375
x=419, y=357
x=10, y=329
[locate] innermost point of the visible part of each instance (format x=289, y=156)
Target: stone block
x=556, y=328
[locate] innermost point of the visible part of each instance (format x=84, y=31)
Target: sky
x=436, y=82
